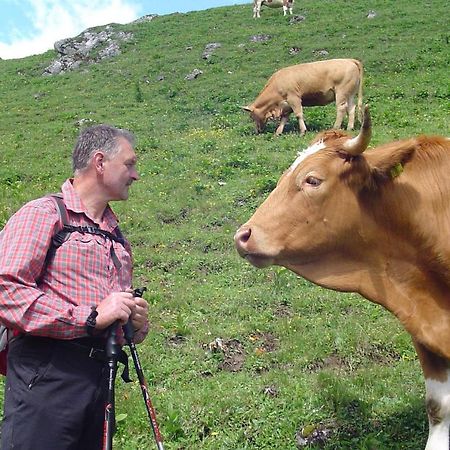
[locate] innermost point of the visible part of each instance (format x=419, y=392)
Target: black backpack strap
x=62, y=235
x=62, y=208
x=119, y=235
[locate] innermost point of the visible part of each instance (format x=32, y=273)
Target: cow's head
x=259, y=119
x=316, y=211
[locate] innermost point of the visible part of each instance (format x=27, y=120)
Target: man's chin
x=125, y=194
x=120, y=197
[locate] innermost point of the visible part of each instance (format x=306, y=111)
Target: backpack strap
x=62, y=208
x=66, y=229
x=61, y=236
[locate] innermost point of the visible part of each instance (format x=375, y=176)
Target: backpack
x=57, y=240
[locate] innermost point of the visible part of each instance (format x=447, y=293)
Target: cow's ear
x=247, y=108
x=387, y=162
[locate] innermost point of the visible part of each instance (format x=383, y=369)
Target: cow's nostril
x=242, y=236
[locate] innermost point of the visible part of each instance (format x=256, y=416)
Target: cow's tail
x=360, y=90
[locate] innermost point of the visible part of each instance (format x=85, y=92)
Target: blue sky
x=29, y=27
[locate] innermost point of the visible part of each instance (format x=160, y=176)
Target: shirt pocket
x=83, y=255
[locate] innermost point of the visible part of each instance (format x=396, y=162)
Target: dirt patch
x=378, y=353
x=232, y=351
x=313, y=435
x=271, y=391
x=283, y=309
x=265, y=342
x=234, y=356
x=332, y=362
x=175, y=341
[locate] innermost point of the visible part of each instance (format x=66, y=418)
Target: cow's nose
x=241, y=237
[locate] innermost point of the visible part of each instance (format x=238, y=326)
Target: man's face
x=120, y=171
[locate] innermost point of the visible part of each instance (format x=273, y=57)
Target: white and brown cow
x=286, y=4
x=309, y=84
x=377, y=223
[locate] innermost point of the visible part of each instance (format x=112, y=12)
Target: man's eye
x=313, y=181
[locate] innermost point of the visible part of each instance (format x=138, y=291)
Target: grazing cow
x=286, y=4
x=310, y=84
x=376, y=223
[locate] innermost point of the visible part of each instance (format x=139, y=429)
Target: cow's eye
x=313, y=181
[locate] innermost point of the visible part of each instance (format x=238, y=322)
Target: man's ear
x=98, y=161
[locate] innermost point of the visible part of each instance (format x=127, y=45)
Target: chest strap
x=63, y=234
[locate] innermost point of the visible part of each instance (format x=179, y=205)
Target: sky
x=30, y=27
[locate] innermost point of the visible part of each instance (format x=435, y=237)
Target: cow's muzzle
x=243, y=246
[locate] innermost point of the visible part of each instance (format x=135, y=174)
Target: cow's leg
x=289, y=6
x=296, y=105
x=437, y=382
x=351, y=108
x=285, y=9
x=257, y=10
x=283, y=122
x=341, y=109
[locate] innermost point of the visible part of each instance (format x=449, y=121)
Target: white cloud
x=54, y=20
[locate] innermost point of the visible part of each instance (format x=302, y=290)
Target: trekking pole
x=128, y=332
x=112, y=355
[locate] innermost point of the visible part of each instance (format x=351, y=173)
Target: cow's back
x=317, y=75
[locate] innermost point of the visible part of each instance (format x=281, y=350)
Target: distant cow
x=286, y=4
x=376, y=223
x=310, y=84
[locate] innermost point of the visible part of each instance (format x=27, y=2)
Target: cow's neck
x=266, y=102
x=418, y=298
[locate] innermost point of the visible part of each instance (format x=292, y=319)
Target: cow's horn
x=359, y=143
x=247, y=108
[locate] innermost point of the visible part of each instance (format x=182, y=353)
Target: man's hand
x=139, y=315
x=117, y=306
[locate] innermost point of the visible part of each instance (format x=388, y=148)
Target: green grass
x=310, y=358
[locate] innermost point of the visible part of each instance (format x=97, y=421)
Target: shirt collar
x=74, y=203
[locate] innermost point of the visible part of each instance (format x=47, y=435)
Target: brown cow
x=376, y=223
x=286, y=4
x=310, y=84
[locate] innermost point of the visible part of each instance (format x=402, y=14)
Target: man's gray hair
x=95, y=138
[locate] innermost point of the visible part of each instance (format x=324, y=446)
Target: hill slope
x=238, y=358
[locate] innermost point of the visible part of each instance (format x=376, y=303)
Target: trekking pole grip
x=112, y=345
x=128, y=330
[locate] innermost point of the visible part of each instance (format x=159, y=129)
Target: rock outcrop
x=89, y=47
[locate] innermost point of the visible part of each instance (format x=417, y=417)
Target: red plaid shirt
x=80, y=275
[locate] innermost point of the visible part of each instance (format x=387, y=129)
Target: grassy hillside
x=238, y=358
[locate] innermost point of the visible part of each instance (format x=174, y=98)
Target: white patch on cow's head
x=304, y=153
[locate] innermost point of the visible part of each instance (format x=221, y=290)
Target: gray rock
x=88, y=47
x=296, y=19
x=209, y=49
x=260, y=38
x=194, y=74
x=294, y=50
x=321, y=53
x=147, y=18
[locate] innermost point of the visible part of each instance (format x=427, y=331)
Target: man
x=61, y=309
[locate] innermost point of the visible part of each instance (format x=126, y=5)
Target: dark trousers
x=54, y=397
